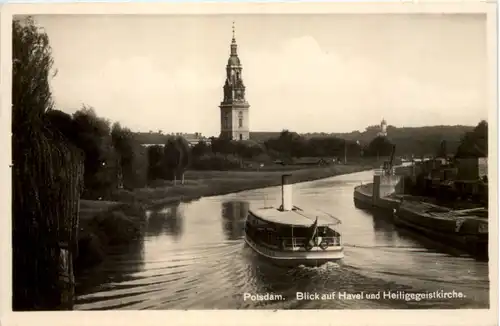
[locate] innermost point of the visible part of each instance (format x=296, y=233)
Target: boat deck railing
x=384, y=172
x=300, y=241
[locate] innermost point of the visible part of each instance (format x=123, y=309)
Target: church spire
x=234, y=39
x=234, y=46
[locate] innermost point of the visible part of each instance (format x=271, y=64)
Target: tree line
x=113, y=157
x=224, y=154
x=418, y=141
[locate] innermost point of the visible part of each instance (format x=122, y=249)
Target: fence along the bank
x=47, y=177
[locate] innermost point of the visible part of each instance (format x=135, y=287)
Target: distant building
x=383, y=128
x=149, y=145
x=234, y=107
x=314, y=161
x=195, y=138
x=191, y=138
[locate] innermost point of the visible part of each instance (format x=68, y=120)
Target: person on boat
x=312, y=238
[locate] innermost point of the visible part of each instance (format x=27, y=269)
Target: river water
x=193, y=257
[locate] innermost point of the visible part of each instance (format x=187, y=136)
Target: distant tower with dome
x=234, y=107
x=383, y=128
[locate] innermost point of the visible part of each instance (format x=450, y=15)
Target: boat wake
x=324, y=268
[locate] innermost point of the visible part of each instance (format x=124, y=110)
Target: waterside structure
x=429, y=198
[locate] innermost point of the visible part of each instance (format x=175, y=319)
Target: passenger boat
x=289, y=235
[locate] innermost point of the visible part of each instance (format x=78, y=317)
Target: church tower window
x=240, y=120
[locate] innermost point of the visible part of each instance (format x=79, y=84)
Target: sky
x=306, y=73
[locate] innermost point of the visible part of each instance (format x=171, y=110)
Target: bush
x=115, y=228
x=216, y=162
x=119, y=225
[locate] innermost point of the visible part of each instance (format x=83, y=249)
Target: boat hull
x=463, y=235
x=363, y=199
x=313, y=258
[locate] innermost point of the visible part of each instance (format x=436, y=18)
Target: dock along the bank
x=464, y=229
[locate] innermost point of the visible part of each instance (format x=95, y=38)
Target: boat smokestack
x=286, y=192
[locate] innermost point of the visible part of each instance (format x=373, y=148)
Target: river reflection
x=168, y=221
x=234, y=214
x=121, y=264
x=193, y=257
x=383, y=227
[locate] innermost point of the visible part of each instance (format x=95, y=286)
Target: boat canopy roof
x=295, y=217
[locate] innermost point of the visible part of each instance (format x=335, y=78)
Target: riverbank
x=104, y=225
x=214, y=183
x=120, y=220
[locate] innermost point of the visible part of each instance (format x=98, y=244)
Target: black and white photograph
x=255, y=161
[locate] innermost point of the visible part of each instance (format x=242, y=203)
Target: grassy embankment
x=121, y=220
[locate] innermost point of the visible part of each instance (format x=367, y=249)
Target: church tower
x=234, y=107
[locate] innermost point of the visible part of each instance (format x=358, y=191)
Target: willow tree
x=47, y=173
